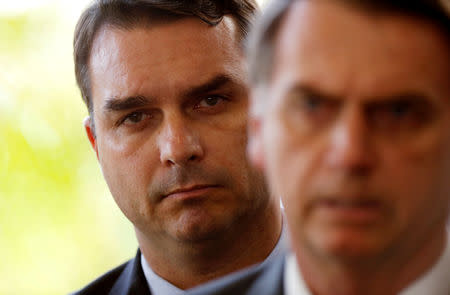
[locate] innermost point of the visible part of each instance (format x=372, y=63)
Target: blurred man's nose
x=350, y=148
x=178, y=143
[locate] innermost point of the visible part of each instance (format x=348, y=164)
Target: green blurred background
x=59, y=226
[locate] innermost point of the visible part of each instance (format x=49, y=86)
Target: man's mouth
x=191, y=191
x=353, y=210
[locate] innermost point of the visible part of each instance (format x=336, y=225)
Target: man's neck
x=189, y=264
x=385, y=276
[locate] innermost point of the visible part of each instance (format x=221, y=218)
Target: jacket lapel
x=132, y=280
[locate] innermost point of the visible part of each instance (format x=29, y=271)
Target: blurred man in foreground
x=165, y=86
x=351, y=124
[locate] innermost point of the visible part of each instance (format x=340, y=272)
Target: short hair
x=260, y=45
x=127, y=14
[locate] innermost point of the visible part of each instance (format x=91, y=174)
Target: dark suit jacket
x=129, y=279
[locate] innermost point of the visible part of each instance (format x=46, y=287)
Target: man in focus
x=165, y=86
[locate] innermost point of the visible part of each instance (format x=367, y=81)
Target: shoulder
x=104, y=283
x=127, y=278
x=270, y=280
x=264, y=279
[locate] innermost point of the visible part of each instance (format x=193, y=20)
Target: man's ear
x=90, y=133
x=255, y=147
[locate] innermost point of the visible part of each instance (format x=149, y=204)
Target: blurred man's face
x=170, y=113
x=356, y=129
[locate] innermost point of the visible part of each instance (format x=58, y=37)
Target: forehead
x=347, y=51
x=165, y=57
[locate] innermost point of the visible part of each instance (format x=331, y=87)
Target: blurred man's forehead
x=260, y=48
x=339, y=46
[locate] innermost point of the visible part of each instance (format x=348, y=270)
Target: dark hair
x=260, y=46
x=129, y=13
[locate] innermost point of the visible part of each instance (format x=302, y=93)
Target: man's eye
x=312, y=103
x=394, y=111
x=405, y=115
x=209, y=101
x=318, y=108
x=134, y=118
x=399, y=109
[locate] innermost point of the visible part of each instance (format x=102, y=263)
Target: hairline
x=262, y=40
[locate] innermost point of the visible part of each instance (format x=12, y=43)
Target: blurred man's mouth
x=357, y=210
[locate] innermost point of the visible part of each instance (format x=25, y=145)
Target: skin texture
x=170, y=112
x=353, y=132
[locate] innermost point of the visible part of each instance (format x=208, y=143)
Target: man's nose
x=178, y=142
x=350, y=148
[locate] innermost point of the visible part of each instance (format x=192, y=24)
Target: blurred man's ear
x=255, y=147
x=90, y=133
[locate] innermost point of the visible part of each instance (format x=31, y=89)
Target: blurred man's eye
x=405, y=115
x=397, y=110
x=312, y=103
x=317, y=109
x=400, y=109
x=307, y=112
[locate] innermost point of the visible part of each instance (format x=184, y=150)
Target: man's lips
x=190, y=191
x=343, y=203
x=358, y=210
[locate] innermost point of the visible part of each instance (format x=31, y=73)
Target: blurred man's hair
x=260, y=46
x=127, y=14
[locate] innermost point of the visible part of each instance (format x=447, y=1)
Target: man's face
x=170, y=112
x=356, y=129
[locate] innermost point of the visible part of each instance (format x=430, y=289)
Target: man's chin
x=349, y=246
x=198, y=227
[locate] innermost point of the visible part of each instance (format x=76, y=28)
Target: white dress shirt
x=436, y=281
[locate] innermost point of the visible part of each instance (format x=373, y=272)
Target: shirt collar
x=435, y=281
x=293, y=281
x=159, y=286
x=156, y=284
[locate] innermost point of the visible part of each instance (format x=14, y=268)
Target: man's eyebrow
x=119, y=104
x=211, y=85
x=411, y=96
x=310, y=91
x=415, y=97
x=131, y=102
